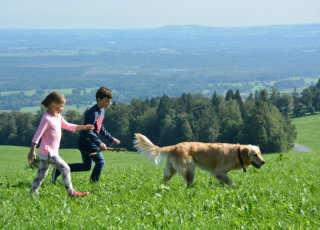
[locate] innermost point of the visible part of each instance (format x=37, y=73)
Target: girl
x=50, y=132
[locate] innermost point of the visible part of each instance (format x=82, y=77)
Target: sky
x=125, y=14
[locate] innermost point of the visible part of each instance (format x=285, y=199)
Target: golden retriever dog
x=216, y=158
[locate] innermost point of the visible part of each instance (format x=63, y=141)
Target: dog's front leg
x=224, y=178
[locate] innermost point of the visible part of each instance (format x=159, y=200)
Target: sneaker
x=79, y=194
x=54, y=175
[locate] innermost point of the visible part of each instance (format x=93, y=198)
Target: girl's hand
x=89, y=127
x=85, y=127
x=32, y=155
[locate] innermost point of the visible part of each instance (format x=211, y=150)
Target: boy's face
x=104, y=102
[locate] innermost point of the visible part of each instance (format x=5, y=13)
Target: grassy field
x=308, y=131
x=284, y=194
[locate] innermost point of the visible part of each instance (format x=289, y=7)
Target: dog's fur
x=217, y=158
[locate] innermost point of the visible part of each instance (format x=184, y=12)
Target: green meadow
x=284, y=194
x=308, y=129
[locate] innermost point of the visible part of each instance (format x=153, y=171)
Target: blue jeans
x=87, y=165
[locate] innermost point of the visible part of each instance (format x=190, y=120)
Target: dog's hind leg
x=169, y=171
x=189, y=177
x=190, y=172
x=187, y=171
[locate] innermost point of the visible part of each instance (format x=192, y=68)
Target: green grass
x=284, y=194
x=308, y=131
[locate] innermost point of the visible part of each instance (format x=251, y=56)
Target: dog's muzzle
x=258, y=165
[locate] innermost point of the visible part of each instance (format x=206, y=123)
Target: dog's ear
x=245, y=153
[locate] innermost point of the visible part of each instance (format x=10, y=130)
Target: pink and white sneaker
x=79, y=194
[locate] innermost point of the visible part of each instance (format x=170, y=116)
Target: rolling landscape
x=257, y=85
x=147, y=63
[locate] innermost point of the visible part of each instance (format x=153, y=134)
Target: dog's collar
x=241, y=160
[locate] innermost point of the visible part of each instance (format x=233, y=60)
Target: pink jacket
x=50, y=132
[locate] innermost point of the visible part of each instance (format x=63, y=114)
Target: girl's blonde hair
x=55, y=97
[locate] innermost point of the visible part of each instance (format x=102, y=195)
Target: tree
x=117, y=122
x=318, y=84
x=8, y=129
x=231, y=123
x=275, y=96
x=267, y=127
x=185, y=130
x=216, y=100
x=203, y=120
x=167, y=128
x=285, y=104
x=229, y=95
x=26, y=128
x=262, y=96
x=146, y=124
x=297, y=104
x=307, y=97
x=238, y=99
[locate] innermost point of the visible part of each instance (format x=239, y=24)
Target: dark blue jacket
x=89, y=139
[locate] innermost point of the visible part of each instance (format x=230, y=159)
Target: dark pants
x=87, y=165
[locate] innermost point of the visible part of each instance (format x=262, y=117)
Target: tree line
x=262, y=119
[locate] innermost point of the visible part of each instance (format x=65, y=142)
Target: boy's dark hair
x=55, y=97
x=104, y=92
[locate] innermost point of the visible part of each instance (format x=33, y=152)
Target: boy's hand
x=32, y=155
x=116, y=141
x=103, y=147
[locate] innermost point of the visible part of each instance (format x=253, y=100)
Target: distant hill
x=168, y=60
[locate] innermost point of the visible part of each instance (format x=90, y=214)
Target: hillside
x=308, y=131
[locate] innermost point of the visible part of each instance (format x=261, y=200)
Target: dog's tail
x=152, y=152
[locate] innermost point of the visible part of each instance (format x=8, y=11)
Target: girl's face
x=55, y=108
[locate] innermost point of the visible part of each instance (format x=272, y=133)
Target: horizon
x=165, y=26
x=144, y=14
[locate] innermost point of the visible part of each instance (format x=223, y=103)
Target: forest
x=263, y=119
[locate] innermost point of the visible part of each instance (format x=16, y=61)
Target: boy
x=89, y=143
